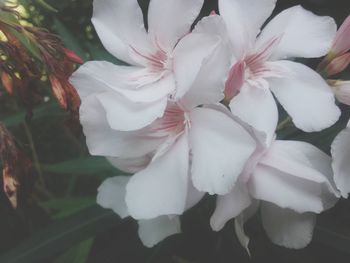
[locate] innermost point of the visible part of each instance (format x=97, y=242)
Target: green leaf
x=47, y=109
x=63, y=234
x=99, y=53
x=87, y=166
x=46, y=6
x=69, y=39
x=77, y=254
x=65, y=207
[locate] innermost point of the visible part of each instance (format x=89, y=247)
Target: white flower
x=259, y=67
x=188, y=143
x=165, y=60
x=292, y=181
x=111, y=194
x=341, y=166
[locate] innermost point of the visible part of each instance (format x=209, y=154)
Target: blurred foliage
x=59, y=221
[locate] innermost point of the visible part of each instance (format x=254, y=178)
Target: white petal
x=306, y=97
x=230, y=206
x=341, y=165
x=152, y=231
x=169, y=21
x=99, y=76
x=111, y=194
x=297, y=184
x=208, y=88
x=220, y=149
x=101, y=139
x=286, y=228
x=119, y=25
x=132, y=165
x=189, y=56
x=302, y=33
x=161, y=188
x=124, y=115
x=240, y=221
x=244, y=19
x=258, y=108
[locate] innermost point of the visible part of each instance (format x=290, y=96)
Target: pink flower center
x=173, y=121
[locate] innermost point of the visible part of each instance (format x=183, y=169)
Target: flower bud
x=7, y=82
x=342, y=39
x=338, y=64
x=59, y=92
x=72, y=56
x=341, y=90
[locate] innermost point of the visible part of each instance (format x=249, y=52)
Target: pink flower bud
x=338, y=64
x=73, y=57
x=342, y=39
x=341, y=90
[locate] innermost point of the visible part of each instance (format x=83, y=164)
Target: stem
x=283, y=124
x=34, y=154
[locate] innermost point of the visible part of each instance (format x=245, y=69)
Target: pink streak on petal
x=342, y=39
x=235, y=80
x=213, y=13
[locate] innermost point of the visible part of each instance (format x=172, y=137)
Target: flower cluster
x=195, y=113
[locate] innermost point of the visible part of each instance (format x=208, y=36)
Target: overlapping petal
x=163, y=185
x=303, y=34
x=220, y=149
x=169, y=21
x=258, y=108
x=341, y=165
x=306, y=97
x=244, y=18
x=120, y=26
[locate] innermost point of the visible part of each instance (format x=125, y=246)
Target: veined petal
x=230, y=206
x=341, y=165
x=152, y=231
x=111, y=194
x=220, y=148
x=244, y=18
x=161, y=188
x=100, y=76
x=102, y=140
x=169, y=21
x=190, y=52
x=119, y=25
x=306, y=97
x=303, y=34
x=258, y=108
x=287, y=228
x=125, y=115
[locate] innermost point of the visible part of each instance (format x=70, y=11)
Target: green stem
x=283, y=124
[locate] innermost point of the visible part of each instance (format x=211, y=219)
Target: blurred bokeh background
x=57, y=219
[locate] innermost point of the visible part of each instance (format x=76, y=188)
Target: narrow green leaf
x=77, y=254
x=46, y=6
x=65, y=207
x=46, y=109
x=87, y=166
x=63, y=234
